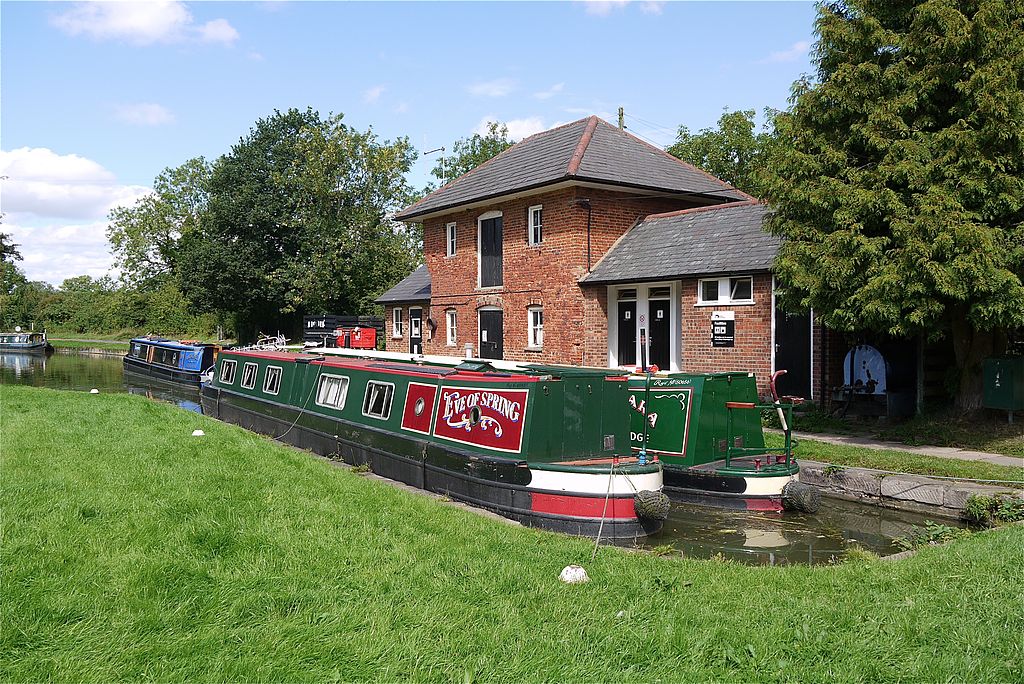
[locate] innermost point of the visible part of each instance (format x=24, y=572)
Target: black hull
x=172, y=375
x=688, y=485
x=496, y=484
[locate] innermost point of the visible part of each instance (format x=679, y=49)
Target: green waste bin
x=1004, y=384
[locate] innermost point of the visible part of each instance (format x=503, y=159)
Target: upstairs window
x=227, y=372
x=736, y=290
x=535, y=334
x=377, y=400
x=535, y=229
x=332, y=391
x=449, y=232
x=396, y=322
x=249, y=375
x=272, y=383
x=449, y=321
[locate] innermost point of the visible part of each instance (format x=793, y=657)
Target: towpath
x=940, y=452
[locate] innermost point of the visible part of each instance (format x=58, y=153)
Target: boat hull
x=165, y=373
x=707, y=486
x=494, y=483
x=39, y=348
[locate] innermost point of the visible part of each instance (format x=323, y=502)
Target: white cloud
x=141, y=23
x=652, y=7
x=218, y=31
x=517, y=128
x=795, y=52
x=550, y=92
x=55, y=252
x=373, y=94
x=41, y=183
x=144, y=114
x=602, y=8
x=499, y=87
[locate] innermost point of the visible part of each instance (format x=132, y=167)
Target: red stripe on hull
x=582, y=506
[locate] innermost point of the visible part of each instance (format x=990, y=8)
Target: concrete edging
x=918, y=493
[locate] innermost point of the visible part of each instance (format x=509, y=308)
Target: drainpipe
x=585, y=203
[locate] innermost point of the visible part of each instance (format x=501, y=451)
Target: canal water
x=692, y=531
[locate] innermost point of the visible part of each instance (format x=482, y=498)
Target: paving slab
x=940, y=452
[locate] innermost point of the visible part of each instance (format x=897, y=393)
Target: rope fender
x=651, y=505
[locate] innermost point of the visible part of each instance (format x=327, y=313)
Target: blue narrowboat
x=172, y=360
x=21, y=341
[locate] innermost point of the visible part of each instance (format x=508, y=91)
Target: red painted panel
x=484, y=417
x=582, y=506
x=419, y=407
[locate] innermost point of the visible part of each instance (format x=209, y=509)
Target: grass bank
x=134, y=551
x=89, y=344
x=898, y=461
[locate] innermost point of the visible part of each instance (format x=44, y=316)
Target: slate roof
x=591, y=150
x=717, y=240
x=414, y=288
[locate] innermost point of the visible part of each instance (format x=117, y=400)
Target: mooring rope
x=302, y=408
x=608, y=494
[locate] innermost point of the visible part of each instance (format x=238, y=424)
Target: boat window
x=166, y=357
x=272, y=383
x=377, y=400
x=332, y=391
x=227, y=372
x=249, y=375
x=139, y=350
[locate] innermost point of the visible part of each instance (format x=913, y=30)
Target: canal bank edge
x=916, y=493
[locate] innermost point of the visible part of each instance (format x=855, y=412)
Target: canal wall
x=918, y=493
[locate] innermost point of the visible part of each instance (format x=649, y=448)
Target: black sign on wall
x=723, y=333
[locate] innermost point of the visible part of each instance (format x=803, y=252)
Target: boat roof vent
x=476, y=366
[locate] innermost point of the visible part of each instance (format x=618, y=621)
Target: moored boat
x=547, y=448
x=706, y=430
x=26, y=342
x=170, y=360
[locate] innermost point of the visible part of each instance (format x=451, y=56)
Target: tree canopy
x=733, y=151
x=469, y=153
x=898, y=185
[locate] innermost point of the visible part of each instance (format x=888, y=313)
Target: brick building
x=578, y=243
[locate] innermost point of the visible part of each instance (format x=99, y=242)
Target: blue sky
x=98, y=98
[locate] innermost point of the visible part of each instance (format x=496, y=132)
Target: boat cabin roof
x=168, y=343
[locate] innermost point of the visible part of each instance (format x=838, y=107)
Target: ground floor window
x=535, y=332
x=735, y=290
x=450, y=327
x=396, y=322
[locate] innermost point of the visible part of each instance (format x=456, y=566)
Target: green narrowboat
x=705, y=428
x=549, y=449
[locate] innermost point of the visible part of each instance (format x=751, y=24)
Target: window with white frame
x=396, y=322
x=249, y=375
x=377, y=400
x=272, y=383
x=535, y=231
x=227, y=371
x=449, y=232
x=449, y=323
x=535, y=334
x=735, y=290
x=332, y=391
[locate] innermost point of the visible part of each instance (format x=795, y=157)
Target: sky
x=96, y=99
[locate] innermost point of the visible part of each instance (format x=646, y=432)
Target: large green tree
x=468, y=153
x=899, y=183
x=734, y=151
x=298, y=220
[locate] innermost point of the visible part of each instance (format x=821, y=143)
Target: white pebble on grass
x=198, y=433
x=574, y=574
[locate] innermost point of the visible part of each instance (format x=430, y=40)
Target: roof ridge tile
x=581, y=147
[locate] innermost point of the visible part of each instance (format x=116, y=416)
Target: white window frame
x=342, y=393
x=725, y=287
x=532, y=341
x=534, y=231
x=272, y=372
x=451, y=327
x=643, y=312
x=416, y=319
x=389, y=401
x=396, y=322
x=255, y=372
x=227, y=378
x=479, y=259
x=450, y=233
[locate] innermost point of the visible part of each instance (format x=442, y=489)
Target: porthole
x=474, y=415
x=420, y=405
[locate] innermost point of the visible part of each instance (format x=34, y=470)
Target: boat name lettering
x=457, y=403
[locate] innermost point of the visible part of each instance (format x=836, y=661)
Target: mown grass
x=132, y=551
x=82, y=344
x=898, y=461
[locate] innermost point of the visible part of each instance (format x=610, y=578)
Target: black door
x=660, y=328
x=627, y=333
x=491, y=334
x=490, y=252
x=793, y=353
x=415, y=331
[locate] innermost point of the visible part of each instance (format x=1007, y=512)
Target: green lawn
x=132, y=551
x=897, y=461
x=81, y=344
